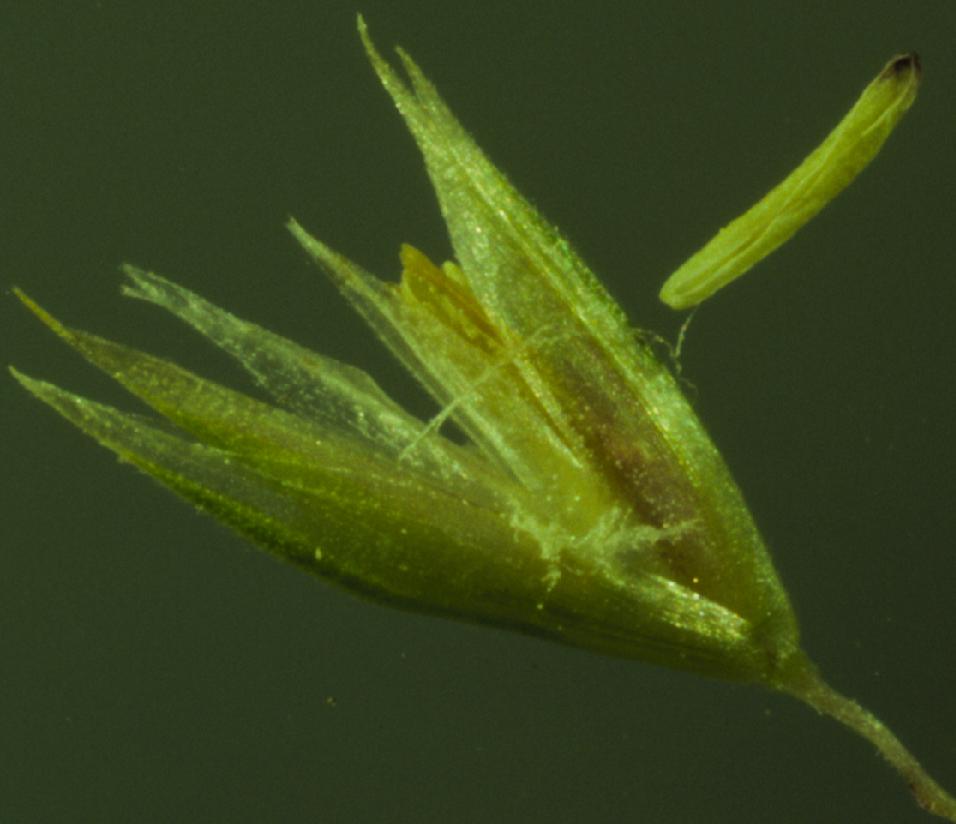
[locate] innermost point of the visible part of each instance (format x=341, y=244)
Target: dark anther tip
x=903, y=64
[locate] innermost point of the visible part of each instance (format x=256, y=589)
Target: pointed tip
x=300, y=234
x=349, y=277
x=367, y=43
x=415, y=74
x=138, y=287
x=366, y=38
x=293, y=225
x=45, y=317
x=387, y=76
x=314, y=247
x=384, y=70
x=152, y=288
x=39, y=389
x=311, y=244
x=133, y=272
x=24, y=298
x=18, y=376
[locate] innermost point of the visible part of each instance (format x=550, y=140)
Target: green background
x=155, y=668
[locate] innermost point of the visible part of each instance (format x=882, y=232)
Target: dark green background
x=155, y=668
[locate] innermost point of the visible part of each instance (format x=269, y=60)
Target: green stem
x=807, y=685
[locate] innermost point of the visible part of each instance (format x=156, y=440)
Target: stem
x=807, y=685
